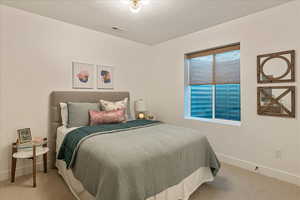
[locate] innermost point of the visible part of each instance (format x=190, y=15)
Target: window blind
x=215, y=66
x=213, y=51
x=201, y=70
x=227, y=67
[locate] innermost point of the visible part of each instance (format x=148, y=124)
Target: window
x=213, y=84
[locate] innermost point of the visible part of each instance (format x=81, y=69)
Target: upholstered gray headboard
x=57, y=97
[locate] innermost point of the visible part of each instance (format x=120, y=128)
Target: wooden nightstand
x=29, y=153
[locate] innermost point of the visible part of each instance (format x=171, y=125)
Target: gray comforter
x=137, y=164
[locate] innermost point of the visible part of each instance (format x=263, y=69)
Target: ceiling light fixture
x=135, y=5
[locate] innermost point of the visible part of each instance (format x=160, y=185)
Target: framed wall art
x=105, y=77
x=276, y=67
x=83, y=75
x=278, y=101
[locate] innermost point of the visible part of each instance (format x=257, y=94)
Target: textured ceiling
x=159, y=21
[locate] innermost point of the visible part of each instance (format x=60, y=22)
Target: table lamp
x=140, y=109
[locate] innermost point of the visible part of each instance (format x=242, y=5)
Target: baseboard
x=20, y=171
x=267, y=171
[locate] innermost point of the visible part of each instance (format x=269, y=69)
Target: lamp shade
x=140, y=106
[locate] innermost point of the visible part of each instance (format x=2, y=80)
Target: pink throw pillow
x=106, y=117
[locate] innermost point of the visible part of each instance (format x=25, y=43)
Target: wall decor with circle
x=83, y=75
x=276, y=67
x=105, y=77
x=278, y=101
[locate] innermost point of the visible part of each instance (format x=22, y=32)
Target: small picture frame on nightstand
x=24, y=135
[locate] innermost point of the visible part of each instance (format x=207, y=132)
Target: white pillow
x=109, y=106
x=64, y=113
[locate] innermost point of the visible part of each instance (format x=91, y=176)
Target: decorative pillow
x=64, y=113
x=79, y=113
x=107, y=117
x=109, y=106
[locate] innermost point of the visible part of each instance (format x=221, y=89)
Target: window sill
x=217, y=121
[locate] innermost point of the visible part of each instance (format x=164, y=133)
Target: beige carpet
x=232, y=183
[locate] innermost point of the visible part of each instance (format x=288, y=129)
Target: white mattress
x=182, y=191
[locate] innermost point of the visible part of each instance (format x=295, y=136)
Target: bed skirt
x=182, y=191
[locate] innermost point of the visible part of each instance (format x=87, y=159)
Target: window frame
x=187, y=92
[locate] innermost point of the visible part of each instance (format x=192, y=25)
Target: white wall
x=258, y=137
x=36, y=58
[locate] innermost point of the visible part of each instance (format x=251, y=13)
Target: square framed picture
x=83, y=75
x=105, y=77
x=277, y=101
x=276, y=67
x=24, y=135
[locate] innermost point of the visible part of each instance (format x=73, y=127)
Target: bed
x=163, y=162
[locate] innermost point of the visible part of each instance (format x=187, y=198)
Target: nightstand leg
x=34, y=166
x=45, y=162
x=13, y=169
